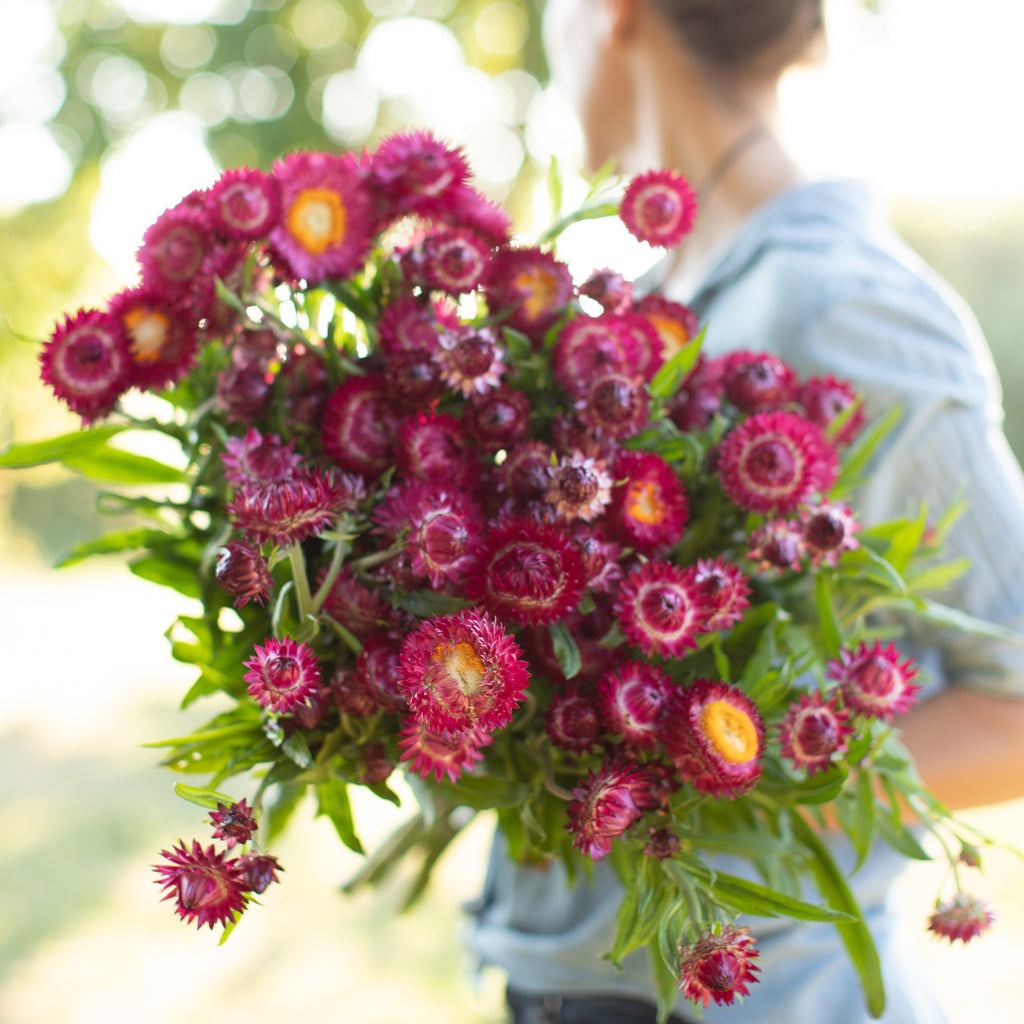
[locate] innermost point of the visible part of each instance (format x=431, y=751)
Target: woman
x=808, y=271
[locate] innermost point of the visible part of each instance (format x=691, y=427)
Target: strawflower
x=282, y=674
x=206, y=888
x=962, y=918
x=718, y=966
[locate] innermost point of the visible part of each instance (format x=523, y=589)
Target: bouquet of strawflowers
x=449, y=513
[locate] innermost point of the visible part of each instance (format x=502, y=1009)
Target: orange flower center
x=463, y=664
x=642, y=503
x=317, y=219
x=731, y=731
x=541, y=289
x=674, y=336
x=148, y=330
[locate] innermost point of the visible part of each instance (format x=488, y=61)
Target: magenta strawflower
x=379, y=672
x=172, y=251
x=579, y=488
x=607, y=805
x=87, y=363
x=635, y=697
x=649, y=508
x=660, y=609
x=361, y=610
x=600, y=558
x=757, y=381
x=589, y=346
x=327, y=218
x=455, y=261
x=718, y=966
x=777, y=546
x=233, y=823
x=244, y=203
x=470, y=360
x=609, y=289
x=574, y=719
x=824, y=398
x=258, y=871
x=225, y=260
x=462, y=672
x=874, y=681
x=962, y=918
x=359, y=425
x=529, y=288
x=207, y=888
x=161, y=339
x=243, y=572
x=775, y=461
x=814, y=731
x=715, y=737
x=647, y=343
x=408, y=324
x=675, y=323
x=470, y=209
x=441, y=753
x=413, y=379
x=434, y=447
x=527, y=571
x=614, y=403
x=282, y=674
x=658, y=207
x=499, y=419
x=289, y=512
x=524, y=473
x=417, y=173
x=261, y=460
x=828, y=531
x=724, y=590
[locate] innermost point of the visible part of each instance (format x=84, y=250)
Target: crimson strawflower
x=172, y=251
x=963, y=917
x=824, y=398
x=757, y=381
x=359, y=425
x=646, y=340
x=233, y=823
x=606, y=805
x=208, y=889
x=614, y=403
x=874, y=681
x=434, y=447
x=409, y=324
x=660, y=609
x=289, y=512
x=463, y=671
x=573, y=720
x=418, y=173
x=379, y=672
x=442, y=752
x=814, y=731
x=528, y=287
x=600, y=558
x=658, y=207
x=243, y=572
x=777, y=545
x=258, y=870
x=828, y=531
x=718, y=966
x=609, y=289
x=524, y=474
x=724, y=591
x=470, y=360
x=588, y=346
x=244, y=203
x=675, y=323
x=87, y=362
x=662, y=844
x=498, y=419
x=161, y=338
x=649, y=508
x=282, y=674
x=527, y=571
x=258, y=459
x=455, y=260
x=357, y=607
x=635, y=697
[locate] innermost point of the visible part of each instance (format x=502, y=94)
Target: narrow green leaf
x=936, y=577
x=208, y=798
x=667, y=380
x=297, y=749
x=182, y=578
x=739, y=842
x=333, y=801
x=112, y=543
x=122, y=467
x=425, y=604
x=566, y=651
x=555, y=186
x=863, y=824
x=749, y=897
x=906, y=541
x=859, y=454
x=827, y=615
x=899, y=837
x=721, y=661
x=943, y=615
x=38, y=453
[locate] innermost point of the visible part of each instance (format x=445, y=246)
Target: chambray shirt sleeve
x=904, y=341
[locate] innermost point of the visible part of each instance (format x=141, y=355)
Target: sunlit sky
x=924, y=102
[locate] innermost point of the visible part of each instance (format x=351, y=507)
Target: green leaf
x=855, y=934
x=936, y=577
x=556, y=190
x=858, y=455
x=906, y=541
x=899, y=837
x=739, y=842
x=182, y=578
x=827, y=616
x=667, y=380
x=122, y=467
x=39, y=453
x=483, y=792
x=865, y=563
x=208, y=798
x=566, y=651
x=126, y=540
x=943, y=615
x=333, y=801
x=862, y=830
x=297, y=749
x=749, y=897
x=721, y=661
x=425, y=604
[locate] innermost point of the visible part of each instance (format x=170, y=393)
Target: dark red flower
x=173, y=250
x=635, y=698
x=207, y=888
x=244, y=203
x=574, y=720
x=658, y=207
x=724, y=591
x=649, y=508
x=814, y=731
x=589, y=346
x=441, y=753
x=608, y=288
x=259, y=871
x=258, y=459
x=161, y=339
x=675, y=323
x=359, y=425
x=757, y=381
x=874, y=681
x=530, y=288
x=282, y=674
x=243, y=572
x=233, y=823
x=718, y=966
x=824, y=398
x=660, y=609
x=964, y=917
x=607, y=805
x=499, y=419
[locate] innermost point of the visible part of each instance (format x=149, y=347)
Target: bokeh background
x=111, y=110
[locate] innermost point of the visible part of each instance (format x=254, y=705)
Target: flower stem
x=341, y=549
x=378, y=557
x=304, y=597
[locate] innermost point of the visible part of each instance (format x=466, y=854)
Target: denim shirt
x=816, y=277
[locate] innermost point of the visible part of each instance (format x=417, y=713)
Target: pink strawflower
x=608, y=288
x=161, y=339
x=600, y=558
x=444, y=752
x=282, y=674
x=361, y=610
x=524, y=473
x=718, y=967
x=828, y=531
x=260, y=460
x=359, y=426
x=874, y=681
x=470, y=209
x=699, y=398
x=379, y=672
x=327, y=218
x=470, y=360
x=245, y=203
x=243, y=386
x=658, y=207
x=606, y=806
x=775, y=461
x=675, y=323
x=589, y=346
x=172, y=251
x=660, y=609
x=527, y=571
x=529, y=288
x=207, y=888
x=243, y=572
x=413, y=379
x=814, y=731
x=649, y=509
x=614, y=403
x=224, y=260
x=574, y=720
x=408, y=324
x=758, y=381
x=434, y=447
x=87, y=363
x=233, y=823
x=964, y=917
x=462, y=672
x=647, y=343
x=580, y=488
x=289, y=512
x=455, y=261
x=258, y=871
x=635, y=697
x=724, y=591
x=499, y=419
x=824, y=398
x=442, y=527
x=417, y=173
x=777, y=545
x=715, y=737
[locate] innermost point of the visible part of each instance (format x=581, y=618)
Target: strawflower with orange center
x=649, y=507
x=531, y=287
x=162, y=341
x=675, y=323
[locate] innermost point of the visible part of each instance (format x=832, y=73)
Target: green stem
x=341, y=549
x=594, y=212
x=304, y=597
x=378, y=558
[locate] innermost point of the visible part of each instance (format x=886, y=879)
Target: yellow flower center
x=731, y=731
x=642, y=503
x=673, y=334
x=541, y=288
x=463, y=664
x=148, y=332
x=317, y=219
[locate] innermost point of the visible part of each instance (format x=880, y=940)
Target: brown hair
x=738, y=36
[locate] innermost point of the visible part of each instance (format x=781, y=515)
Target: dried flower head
x=243, y=572
x=660, y=609
x=608, y=804
x=580, y=487
x=874, y=681
x=718, y=966
x=659, y=207
x=814, y=731
x=233, y=823
x=282, y=674
x=207, y=888
x=962, y=918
